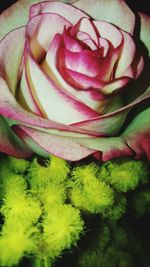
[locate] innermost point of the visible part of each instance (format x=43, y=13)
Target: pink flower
x=70, y=79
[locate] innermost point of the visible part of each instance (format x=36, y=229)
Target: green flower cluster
x=37, y=222
x=44, y=203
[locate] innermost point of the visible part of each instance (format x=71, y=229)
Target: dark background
x=136, y=5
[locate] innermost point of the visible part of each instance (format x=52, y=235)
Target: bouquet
x=74, y=133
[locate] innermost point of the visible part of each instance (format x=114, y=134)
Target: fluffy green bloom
x=84, y=174
x=14, y=244
x=13, y=182
x=62, y=227
x=52, y=195
x=116, y=211
x=38, y=176
x=18, y=165
x=55, y=170
x=124, y=174
x=19, y=206
x=87, y=192
x=58, y=169
x=11, y=175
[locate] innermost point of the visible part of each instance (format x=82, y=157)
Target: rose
x=68, y=80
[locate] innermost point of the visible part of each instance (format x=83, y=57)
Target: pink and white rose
x=70, y=78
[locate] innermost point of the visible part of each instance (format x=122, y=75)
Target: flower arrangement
x=74, y=134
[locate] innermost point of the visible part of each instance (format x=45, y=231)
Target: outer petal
x=114, y=11
x=64, y=147
x=110, y=147
x=17, y=15
x=69, y=12
x=137, y=134
x=111, y=122
x=10, y=143
x=10, y=57
x=145, y=30
x=17, y=115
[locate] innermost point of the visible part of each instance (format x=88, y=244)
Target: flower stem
x=45, y=262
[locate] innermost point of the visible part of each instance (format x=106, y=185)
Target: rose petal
x=110, y=147
x=111, y=122
x=85, y=39
x=10, y=142
x=40, y=35
x=81, y=81
x=24, y=95
x=69, y=12
x=116, y=12
x=145, y=30
x=108, y=65
x=10, y=57
x=137, y=134
x=54, y=102
x=109, y=32
x=79, y=62
x=104, y=44
x=70, y=43
x=139, y=67
x=115, y=86
x=64, y=147
x=86, y=26
x=124, y=67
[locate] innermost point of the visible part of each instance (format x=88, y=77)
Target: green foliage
x=124, y=174
x=108, y=247
x=87, y=192
x=140, y=202
x=15, y=165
